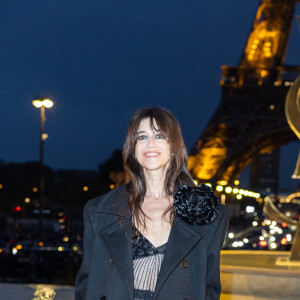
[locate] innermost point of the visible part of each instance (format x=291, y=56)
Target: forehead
x=145, y=125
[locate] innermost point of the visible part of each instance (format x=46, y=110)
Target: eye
x=159, y=136
x=141, y=137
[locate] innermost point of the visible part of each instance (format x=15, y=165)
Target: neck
x=155, y=183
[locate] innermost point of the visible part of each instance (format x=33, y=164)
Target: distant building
x=264, y=172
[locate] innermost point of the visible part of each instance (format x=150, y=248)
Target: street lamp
x=42, y=103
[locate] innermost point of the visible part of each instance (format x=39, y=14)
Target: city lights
x=222, y=182
x=231, y=235
x=228, y=189
x=219, y=188
x=263, y=243
x=292, y=196
x=222, y=186
x=250, y=209
x=235, y=244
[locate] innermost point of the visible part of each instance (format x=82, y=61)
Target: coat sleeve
x=216, y=238
x=88, y=239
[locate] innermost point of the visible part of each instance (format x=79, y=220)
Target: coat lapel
x=182, y=239
x=117, y=240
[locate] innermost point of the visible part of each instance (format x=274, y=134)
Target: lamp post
x=42, y=103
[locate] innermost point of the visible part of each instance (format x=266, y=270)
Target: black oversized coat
x=190, y=268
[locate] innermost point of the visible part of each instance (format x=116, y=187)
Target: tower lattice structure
x=250, y=118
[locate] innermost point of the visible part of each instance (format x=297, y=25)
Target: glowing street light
x=39, y=103
x=42, y=103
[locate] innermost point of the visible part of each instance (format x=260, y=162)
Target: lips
x=151, y=154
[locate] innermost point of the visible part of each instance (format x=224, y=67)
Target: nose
x=151, y=142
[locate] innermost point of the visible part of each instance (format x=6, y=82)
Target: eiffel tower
x=250, y=119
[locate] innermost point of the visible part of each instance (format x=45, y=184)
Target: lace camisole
x=147, y=261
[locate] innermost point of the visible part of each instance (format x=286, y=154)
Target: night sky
x=99, y=61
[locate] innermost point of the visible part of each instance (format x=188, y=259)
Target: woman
x=160, y=236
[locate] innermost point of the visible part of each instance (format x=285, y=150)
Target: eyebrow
x=143, y=131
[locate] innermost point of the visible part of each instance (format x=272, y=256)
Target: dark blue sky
x=101, y=60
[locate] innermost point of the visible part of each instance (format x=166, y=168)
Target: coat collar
x=117, y=240
x=113, y=202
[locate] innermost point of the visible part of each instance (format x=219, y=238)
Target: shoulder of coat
x=220, y=222
x=223, y=212
x=112, y=202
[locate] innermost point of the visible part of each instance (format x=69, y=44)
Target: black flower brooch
x=196, y=205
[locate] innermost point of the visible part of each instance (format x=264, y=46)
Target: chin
x=155, y=167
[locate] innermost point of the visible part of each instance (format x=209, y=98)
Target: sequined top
x=147, y=261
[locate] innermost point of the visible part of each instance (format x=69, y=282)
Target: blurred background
x=73, y=73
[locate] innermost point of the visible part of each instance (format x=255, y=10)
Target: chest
x=158, y=225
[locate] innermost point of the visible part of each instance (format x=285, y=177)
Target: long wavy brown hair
x=177, y=174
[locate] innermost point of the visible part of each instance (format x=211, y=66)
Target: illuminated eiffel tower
x=250, y=118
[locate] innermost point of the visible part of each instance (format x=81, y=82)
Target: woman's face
x=152, y=150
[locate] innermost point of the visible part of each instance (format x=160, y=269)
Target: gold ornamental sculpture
x=292, y=112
